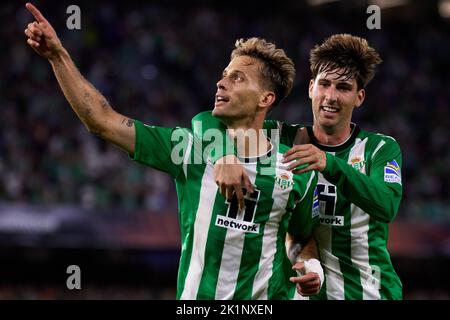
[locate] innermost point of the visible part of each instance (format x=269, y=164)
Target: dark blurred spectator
x=159, y=63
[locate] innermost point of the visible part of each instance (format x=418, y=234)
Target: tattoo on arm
x=128, y=122
x=104, y=104
x=87, y=113
x=87, y=97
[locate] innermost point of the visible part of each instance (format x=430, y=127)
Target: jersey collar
x=260, y=157
x=344, y=145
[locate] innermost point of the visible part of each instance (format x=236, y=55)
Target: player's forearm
x=90, y=105
x=369, y=194
x=301, y=249
x=308, y=249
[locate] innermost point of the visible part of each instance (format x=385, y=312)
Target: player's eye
x=344, y=88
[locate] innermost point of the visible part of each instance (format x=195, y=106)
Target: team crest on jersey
x=392, y=172
x=315, y=207
x=284, y=181
x=357, y=163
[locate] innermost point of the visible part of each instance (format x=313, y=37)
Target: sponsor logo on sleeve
x=315, y=206
x=392, y=173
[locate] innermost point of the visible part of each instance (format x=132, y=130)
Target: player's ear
x=267, y=99
x=360, y=97
x=311, y=85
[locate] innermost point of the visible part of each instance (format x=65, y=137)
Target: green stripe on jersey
x=250, y=258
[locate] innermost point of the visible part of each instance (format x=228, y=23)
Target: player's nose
x=221, y=84
x=331, y=95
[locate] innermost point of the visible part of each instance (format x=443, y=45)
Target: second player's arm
x=301, y=246
x=372, y=193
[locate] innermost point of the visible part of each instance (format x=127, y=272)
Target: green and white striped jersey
x=359, y=194
x=227, y=253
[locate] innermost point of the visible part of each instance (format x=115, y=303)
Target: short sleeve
x=161, y=148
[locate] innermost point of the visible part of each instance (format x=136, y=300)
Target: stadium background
x=68, y=198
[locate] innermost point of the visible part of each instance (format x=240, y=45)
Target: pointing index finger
x=35, y=12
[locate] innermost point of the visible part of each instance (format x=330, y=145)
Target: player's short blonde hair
x=278, y=70
x=351, y=54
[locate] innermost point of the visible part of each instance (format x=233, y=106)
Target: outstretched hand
x=308, y=283
x=41, y=35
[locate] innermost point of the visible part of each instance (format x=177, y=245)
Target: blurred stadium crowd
x=159, y=63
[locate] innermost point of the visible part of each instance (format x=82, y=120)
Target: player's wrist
x=329, y=164
x=58, y=55
x=313, y=265
x=323, y=161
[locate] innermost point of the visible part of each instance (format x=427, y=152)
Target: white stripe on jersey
x=269, y=242
x=202, y=221
x=232, y=252
x=359, y=233
x=382, y=143
x=187, y=155
x=308, y=185
x=360, y=253
x=331, y=268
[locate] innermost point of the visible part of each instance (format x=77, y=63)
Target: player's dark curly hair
x=351, y=54
x=278, y=71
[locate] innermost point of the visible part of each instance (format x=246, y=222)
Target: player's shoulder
x=180, y=136
x=277, y=124
x=376, y=137
x=378, y=143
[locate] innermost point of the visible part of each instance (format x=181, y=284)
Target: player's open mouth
x=220, y=98
x=329, y=109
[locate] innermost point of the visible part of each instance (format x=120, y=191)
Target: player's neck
x=332, y=136
x=250, y=140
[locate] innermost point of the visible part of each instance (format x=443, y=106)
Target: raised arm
x=88, y=103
